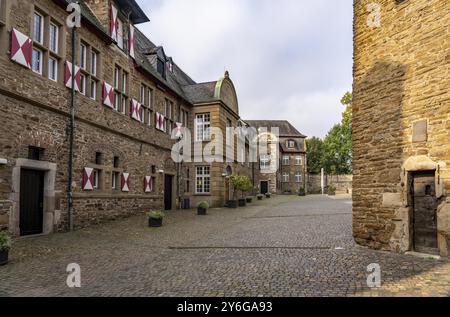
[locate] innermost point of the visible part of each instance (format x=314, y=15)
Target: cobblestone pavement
x=284, y=246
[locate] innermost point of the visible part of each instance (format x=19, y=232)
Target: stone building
x=401, y=123
x=283, y=170
x=130, y=96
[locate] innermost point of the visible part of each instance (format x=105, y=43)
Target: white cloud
x=289, y=59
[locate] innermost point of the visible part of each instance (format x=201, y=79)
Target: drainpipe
x=71, y=134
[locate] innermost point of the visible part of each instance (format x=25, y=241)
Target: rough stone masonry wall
x=401, y=76
x=343, y=183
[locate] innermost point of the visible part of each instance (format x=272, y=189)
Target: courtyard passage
x=283, y=246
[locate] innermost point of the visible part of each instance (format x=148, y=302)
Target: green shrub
x=5, y=241
x=203, y=205
x=331, y=190
x=156, y=214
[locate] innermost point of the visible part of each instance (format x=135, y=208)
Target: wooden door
x=31, y=202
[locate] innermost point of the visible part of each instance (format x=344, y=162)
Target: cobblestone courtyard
x=284, y=246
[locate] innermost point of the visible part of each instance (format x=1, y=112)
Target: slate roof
x=286, y=129
x=199, y=93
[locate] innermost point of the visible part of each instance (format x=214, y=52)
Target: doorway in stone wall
x=424, y=220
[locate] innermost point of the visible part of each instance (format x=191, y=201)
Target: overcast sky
x=289, y=59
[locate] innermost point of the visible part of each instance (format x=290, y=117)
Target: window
x=290, y=144
x=83, y=84
x=53, y=38
x=83, y=55
x=46, y=41
x=286, y=160
x=52, y=69
x=2, y=12
x=203, y=180
x=115, y=181
x=35, y=153
x=168, y=109
x=36, y=62
x=89, y=71
x=298, y=177
x=264, y=162
x=285, y=177
x=98, y=158
x=96, y=174
x=116, y=162
x=161, y=68
x=150, y=98
x=94, y=63
x=93, y=89
x=120, y=33
x=142, y=97
x=203, y=127
x=38, y=30
x=298, y=160
x=121, y=89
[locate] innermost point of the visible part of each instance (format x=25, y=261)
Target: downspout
x=71, y=134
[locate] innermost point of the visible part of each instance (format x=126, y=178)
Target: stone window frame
x=87, y=70
x=286, y=177
x=44, y=46
x=146, y=98
x=298, y=161
x=169, y=114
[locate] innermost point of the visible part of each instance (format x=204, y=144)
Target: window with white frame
x=121, y=90
x=298, y=160
x=290, y=144
x=83, y=84
x=298, y=177
x=203, y=180
x=53, y=44
x=88, y=61
x=36, y=61
x=203, y=127
x=46, y=40
x=52, y=69
x=286, y=160
x=83, y=56
x=285, y=177
x=117, y=78
x=96, y=175
x=115, y=181
x=264, y=162
x=38, y=28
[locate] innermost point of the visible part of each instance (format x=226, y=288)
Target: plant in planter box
x=268, y=195
x=235, y=182
x=155, y=218
x=331, y=190
x=5, y=246
x=302, y=192
x=202, y=208
x=245, y=186
x=260, y=196
x=249, y=200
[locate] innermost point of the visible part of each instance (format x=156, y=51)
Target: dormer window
x=161, y=68
x=290, y=144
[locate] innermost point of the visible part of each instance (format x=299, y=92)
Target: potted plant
x=260, y=196
x=155, y=218
x=235, y=184
x=331, y=190
x=268, y=195
x=302, y=192
x=5, y=246
x=249, y=200
x=202, y=208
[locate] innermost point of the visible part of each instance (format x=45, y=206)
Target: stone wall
x=343, y=183
x=401, y=116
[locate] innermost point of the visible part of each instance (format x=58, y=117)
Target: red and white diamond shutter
x=136, y=110
x=88, y=179
x=125, y=182
x=114, y=23
x=21, y=48
x=108, y=95
x=68, y=76
x=160, y=122
x=148, y=184
x=131, y=40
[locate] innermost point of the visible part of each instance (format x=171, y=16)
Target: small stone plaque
x=420, y=131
